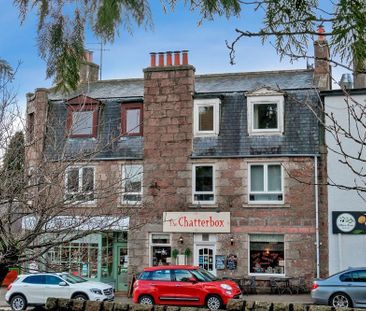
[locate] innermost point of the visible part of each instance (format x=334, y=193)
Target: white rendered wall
x=344, y=249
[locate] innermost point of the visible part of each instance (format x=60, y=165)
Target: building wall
x=344, y=249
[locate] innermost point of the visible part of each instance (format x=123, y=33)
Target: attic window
x=206, y=117
x=132, y=118
x=82, y=117
x=265, y=114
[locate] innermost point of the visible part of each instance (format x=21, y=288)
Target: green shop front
x=99, y=256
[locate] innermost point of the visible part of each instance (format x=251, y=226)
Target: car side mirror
x=192, y=279
x=62, y=284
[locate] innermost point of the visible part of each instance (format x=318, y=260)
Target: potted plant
x=187, y=253
x=175, y=253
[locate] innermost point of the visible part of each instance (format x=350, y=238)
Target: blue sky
x=129, y=54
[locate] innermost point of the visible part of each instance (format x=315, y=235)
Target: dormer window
x=132, y=117
x=206, y=117
x=82, y=117
x=265, y=112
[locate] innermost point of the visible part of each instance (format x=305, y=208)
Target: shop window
x=80, y=183
x=203, y=183
x=267, y=254
x=206, y=117
x=266, y=183
x=265, y=114
x=132, y=118
x=132, y=178
x=107, y=255
x=160, y=244
x=79, y=257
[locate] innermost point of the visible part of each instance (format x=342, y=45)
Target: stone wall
x=54, y=304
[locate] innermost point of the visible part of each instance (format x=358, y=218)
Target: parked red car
x=183, y=286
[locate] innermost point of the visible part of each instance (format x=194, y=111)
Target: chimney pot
x=185, y=57
x=88, y=56
x=153, y=59
x=169, y=58
x=176, y=58
x=321, y=31
x=161, y=59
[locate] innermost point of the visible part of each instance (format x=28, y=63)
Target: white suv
x=34, y=289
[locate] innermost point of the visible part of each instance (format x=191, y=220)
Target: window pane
x=73, y=180
x=267, y=256
x=35, y=279
x=160, y=238
x=82, y=122
x=266, y=197
x=265, y=116
x=204, y=178
x=88, y=179
x=206, y=118
x=52, y=280
x=274, y=178
x=256, y=178
x=133, y=121
x=161, y=275
x=132, y=178
x=182, y=275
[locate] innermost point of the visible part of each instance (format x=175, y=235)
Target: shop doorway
x=122, y=268
x=205, y=252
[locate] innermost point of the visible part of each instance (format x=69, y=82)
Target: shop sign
x=217, y=222
x=349, y=222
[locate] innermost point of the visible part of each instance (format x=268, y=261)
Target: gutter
x=317, y=242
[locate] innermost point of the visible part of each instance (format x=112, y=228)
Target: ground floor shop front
x=227, y=250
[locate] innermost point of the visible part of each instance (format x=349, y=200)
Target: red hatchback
x=184, y=286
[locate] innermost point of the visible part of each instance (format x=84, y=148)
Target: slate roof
x=211, y=83
x=301, y=133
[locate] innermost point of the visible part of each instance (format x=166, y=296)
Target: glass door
x=205, y=257
x=122, y=268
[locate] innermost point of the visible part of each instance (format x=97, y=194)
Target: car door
x=358, y=286
x=186, y=291
x=161, y=286
x=33, y=289
x=53, y=288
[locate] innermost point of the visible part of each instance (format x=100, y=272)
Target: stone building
x=218, y=170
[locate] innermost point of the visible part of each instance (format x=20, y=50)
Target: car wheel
x=81, y=297
x=18, y=303
x=340, y=300
x=146, y=300
x=214, y=302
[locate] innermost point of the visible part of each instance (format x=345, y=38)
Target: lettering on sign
x=196, y=222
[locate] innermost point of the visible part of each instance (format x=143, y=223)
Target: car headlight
x=225, y=286
x=96, y=291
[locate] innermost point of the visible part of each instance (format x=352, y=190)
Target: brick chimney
x=322, y=70
x=89, y=71
x=168, y=114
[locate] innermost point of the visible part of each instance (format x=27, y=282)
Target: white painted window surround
x=265, y=96
x=211, y=128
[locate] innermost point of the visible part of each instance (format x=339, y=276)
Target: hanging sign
x=214, y=222
x=349, y=222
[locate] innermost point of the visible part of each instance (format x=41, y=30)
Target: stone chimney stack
x=168, y=116
x=322, y=69
x=359, y=78
x=89, y=71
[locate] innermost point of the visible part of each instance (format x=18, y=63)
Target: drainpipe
x=317, y=242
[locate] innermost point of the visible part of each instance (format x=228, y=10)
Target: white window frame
x=268, y=274
x=265, y=177
x=215, y=103
x=151, y=245
x=80, y=186
x=203, y=192
x=123, y=201
x=265, y=100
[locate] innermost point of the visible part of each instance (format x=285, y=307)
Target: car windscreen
x=73, y=279
x=203, y=275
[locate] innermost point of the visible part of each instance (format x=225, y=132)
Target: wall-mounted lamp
x=232, y=240
x=181, y=240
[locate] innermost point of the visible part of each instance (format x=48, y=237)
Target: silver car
x=343, y=289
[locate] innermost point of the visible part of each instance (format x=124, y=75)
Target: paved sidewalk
x=120, y=297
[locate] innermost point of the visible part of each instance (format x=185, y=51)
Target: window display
x=267, y=254
x=160, y=249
